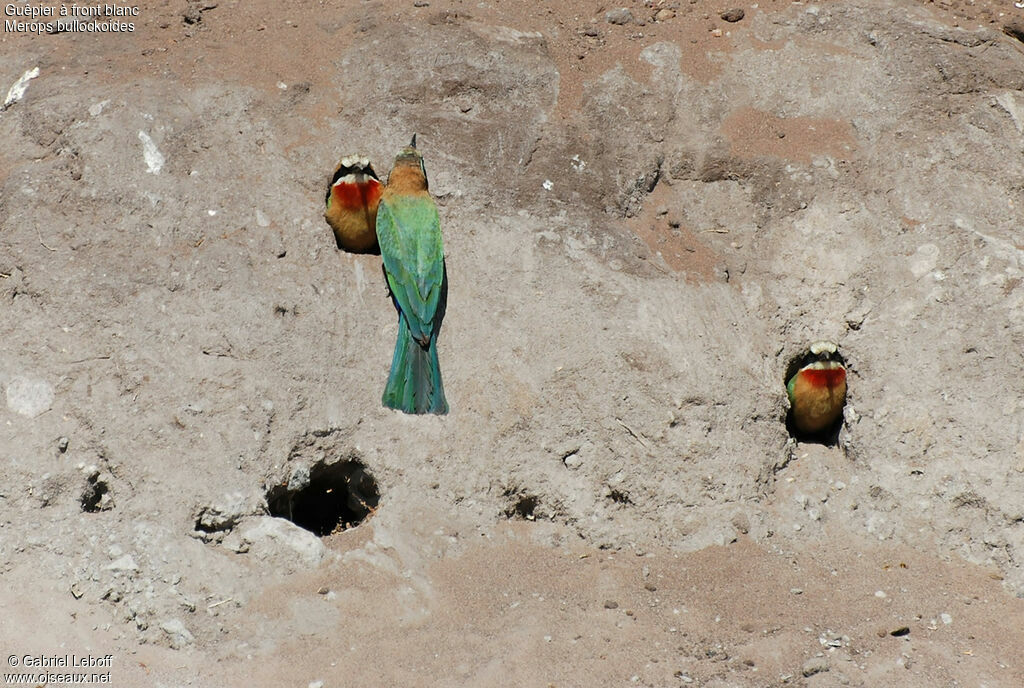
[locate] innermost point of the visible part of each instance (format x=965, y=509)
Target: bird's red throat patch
x=825, y=377
x=356, y=191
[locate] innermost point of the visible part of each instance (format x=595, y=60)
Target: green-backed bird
x=817, y=391
x=409, y=235
x=352, y=204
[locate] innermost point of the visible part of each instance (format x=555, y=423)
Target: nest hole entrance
x=96, y=496
x=337, y=497
x=523, y=507
x=828, y=437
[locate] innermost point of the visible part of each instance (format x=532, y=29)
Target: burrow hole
x=522, y=506
x=619, y=497
x=96, y=496
x=829, y=436
x=337, y=497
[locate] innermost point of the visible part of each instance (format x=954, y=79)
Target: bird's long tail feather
x=414, y=384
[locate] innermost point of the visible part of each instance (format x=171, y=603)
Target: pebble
x=946, y=618
x=611, y=604
x=796, y=591
x=177, y=633
x=298, y=480
x=733, y=15
x=619, y=16
x=123, y=563
x=814, y=665
x=665, y=15
x=224, y=514
x=29, y=397
x=269, y=534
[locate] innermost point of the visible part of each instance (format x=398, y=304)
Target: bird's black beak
x=413, y=144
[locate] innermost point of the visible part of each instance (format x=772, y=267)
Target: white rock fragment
x=97, y=108
x=177, y=633
x=151, y=154
x=267, y=534
x=29, y=397
x=125, y=562
x=548, y=185
x=924, y=259
x=946, y=618
x=17, y=91
x=1016, y=110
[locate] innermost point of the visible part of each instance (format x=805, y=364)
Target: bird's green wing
x=409, y=234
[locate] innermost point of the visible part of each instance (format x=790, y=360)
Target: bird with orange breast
x=817, y=391
x=352, y=201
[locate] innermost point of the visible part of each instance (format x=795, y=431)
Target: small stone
x=619, y=16
x=123, y=563
x=665, y=15
x=901, y=631
x=814, y=665
x=268, y=535
x=298, y=480
x=29, y=397
x=741, y=522
x=591, y=31
x=733, y=15
x=322, y=591
x=650, y=587
x=224, y=514
x=946, y=618
x=421, y=3
x=880, y=594
x=573, y=461
x=796, y=591
x=62, y=444
x=178, y=635
x=611, y=604
x=320, y=684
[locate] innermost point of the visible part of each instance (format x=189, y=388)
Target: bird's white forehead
x=355, y=161
x=823, y=347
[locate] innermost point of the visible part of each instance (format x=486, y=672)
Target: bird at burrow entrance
x=351, y=201
x=817, y=391
x=409, y=236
